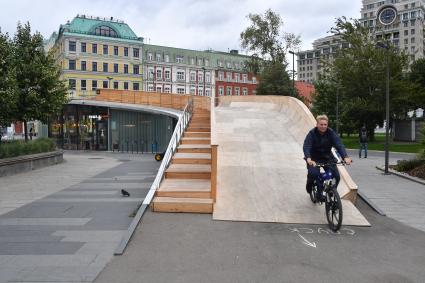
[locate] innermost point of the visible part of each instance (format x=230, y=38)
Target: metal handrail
x=171, y=149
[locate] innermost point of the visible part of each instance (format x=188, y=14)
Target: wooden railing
x=166, y=100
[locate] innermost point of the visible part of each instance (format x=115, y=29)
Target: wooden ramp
x=187, y=183
x=261, y=174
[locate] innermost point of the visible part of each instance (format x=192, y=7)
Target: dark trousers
x=313, y=174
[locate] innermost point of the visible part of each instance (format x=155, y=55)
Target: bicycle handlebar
x=342, y=162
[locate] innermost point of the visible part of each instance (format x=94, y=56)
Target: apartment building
x=95, y=52
x=203, y=73
x=401, y=23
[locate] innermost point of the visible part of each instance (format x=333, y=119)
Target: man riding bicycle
x=317, y=149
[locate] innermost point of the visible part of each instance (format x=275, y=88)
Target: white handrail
x=172, y=146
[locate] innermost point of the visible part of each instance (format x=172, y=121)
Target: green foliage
x=7, y=80
x=422, y=152
x=407, y=165
x=274, y=80
x=269, y=45
x=417, y=76
x=18, y=148
x=359, y=73
x=30, y=84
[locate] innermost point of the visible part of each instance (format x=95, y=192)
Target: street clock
x=387, y=15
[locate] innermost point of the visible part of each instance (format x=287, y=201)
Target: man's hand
x=311, y=162
x=348, y=160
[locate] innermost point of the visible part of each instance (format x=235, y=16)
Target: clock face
x=387, y=15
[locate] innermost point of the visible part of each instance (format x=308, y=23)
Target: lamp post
x=337, y=109
x=386, y=46
x=293, y=71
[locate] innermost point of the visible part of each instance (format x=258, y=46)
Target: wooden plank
x=197, y=134
x=192, y=205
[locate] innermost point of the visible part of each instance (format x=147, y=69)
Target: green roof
x=87, y=25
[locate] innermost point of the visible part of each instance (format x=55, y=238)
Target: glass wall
x=140, y=131
x=83, y=127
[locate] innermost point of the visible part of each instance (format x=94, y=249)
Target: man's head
x=322, y=123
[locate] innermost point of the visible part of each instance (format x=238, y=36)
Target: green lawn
x=352, y=142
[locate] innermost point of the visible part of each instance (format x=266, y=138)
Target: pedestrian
x=363, y=142
x=31, y=133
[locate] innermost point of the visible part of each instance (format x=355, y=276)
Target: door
x=101, y=135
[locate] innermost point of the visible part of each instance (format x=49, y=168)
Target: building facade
x=95, y=52
x=203, y=73
x=406, y=32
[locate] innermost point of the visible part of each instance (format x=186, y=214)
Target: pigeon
x=125, y=193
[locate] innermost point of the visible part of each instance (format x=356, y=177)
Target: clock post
x=387, y=15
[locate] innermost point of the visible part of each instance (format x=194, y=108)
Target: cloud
x=191, y=24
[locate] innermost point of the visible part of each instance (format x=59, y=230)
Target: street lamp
x=337, y=109
x=386, y=46
x=293, y=71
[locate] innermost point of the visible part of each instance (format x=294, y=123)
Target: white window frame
x=159, y=74
x=180, y=75
x=167, y=74
x=229, y=90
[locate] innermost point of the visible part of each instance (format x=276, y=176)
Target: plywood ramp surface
x=261, y=171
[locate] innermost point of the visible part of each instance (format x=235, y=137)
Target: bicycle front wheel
x=333, y=207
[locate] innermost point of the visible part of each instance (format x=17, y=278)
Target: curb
x=403, y=175
x=370, y=203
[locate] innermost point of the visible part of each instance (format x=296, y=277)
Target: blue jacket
x=318, y=147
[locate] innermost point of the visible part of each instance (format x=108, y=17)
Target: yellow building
x=96, y=53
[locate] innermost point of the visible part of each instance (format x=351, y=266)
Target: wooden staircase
x=187, y=183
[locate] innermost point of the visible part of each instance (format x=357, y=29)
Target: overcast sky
x=192, y=24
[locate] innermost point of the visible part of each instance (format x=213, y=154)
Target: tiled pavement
x=63, y=223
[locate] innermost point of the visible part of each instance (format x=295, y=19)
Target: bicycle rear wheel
x=333, y=207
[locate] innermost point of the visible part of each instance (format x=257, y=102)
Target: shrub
x=17, y=148
x=407, y=165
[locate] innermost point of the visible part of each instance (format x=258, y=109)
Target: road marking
x=306, y=242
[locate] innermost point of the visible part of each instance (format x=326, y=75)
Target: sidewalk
x=399, y=198
x=62, y=223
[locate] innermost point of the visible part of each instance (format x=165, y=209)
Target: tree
x=417, y=76
x=269, y=44
x=360, y=73
x=40, y=93
x=7, y=81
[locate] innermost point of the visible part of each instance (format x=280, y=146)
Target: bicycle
x=325, y=185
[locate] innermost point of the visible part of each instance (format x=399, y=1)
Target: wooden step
x=185, y=188
x=192, y=205
x=188, y=171
x=194, y=148
x=197, y=134
x=200, y=125
x=198, y=129
x=191, y=140
x=191, y=158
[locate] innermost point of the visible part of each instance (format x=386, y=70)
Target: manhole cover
x=95, y=157
x=124, y=160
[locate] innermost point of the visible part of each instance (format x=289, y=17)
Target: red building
x=233, y=82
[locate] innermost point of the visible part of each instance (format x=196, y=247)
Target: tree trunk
x=25, y=130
